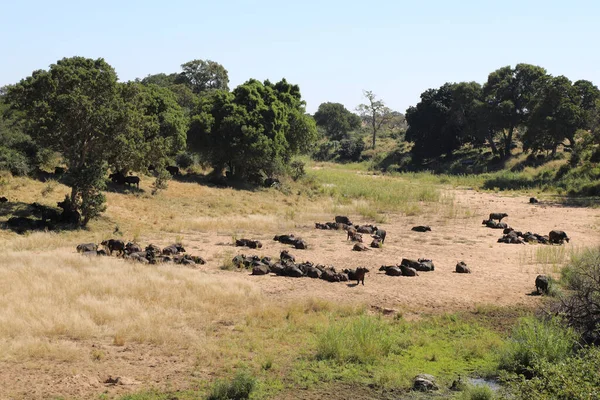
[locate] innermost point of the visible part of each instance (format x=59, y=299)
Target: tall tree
x=256, y=128
x=508, y=93
x=337, y=121
x=203, y=75
x=375, y=113
x=74, y=108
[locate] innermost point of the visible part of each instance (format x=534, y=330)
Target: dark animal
x=152, y=251
x=319, y=225
x=272, y=182
x=173, y=249
x=425, y=265
x=541, y=284
x=292, y=271
x=285, y=256
x=172, y=169
x=421, y=228
x=533, y=200
x=132, y=180
x=300, y=244
x=69, y=214
x=86, y=247
x=342, y=219
x=354, y=236
x=101, y=252
x=408, y=271
x=285, y=239
x=117, y=177
x=114, y=245
x=376, y=243
x=368, y=229
x=498, y=216
x=381, y=234
x=558, y=237
x=391, y=270
x=461, y=268
x=131, y=247
x=407, y=262
x=360, y=247
x=357, y=275
x=3, y=199
x=260, y=270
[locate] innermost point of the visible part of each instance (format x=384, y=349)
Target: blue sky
x=332, y=49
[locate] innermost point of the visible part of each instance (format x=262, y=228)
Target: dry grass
x=52, y=299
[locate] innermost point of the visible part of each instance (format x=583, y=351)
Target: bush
x=297, y=170
x=581, y=308
x=239, y=388
x=478, y=392
x=14, y=161
x=533, y=342
x=184, y=160
x=351, y=149
x=574, y=378
x=363, y=340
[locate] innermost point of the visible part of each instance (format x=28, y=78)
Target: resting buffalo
x=376, y=243
x=542, y=283
x=260, y=270
x=421, y=228
x=368, y=229
x=360, y=247
x=354, y=236
x=285, y=239
x=341, y=219
x=132, y=248
x=285, y=256
x=357, y=275
x=300, y=244
x=558, y=237
x=391, y=270
x=498, y=216
x=408, y=271
x=114, y=245
x=87, y=247
x=533, y=200
x=173, y=249
x=132, y=180
x=461, y=268
x=3, y=199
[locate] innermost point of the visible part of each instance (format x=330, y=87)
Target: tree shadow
x=24, y=217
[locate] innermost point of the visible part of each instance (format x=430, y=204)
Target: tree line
x=79, y=110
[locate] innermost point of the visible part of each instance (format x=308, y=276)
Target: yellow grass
x=50, y=299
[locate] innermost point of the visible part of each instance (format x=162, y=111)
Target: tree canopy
x=336, y=120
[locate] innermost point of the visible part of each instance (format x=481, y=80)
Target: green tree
x=375, y=113
x=556, y=115
x=508, y=93
x=74, y=108
x=203, y=75
x=154, y=130
x=256, y=128
x=160, y=79
x=336, y=120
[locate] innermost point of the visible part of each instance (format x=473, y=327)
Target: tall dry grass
x=52, y=299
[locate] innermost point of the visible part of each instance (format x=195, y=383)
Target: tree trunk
x=492, y=144
x=374, y=130
x=508, y=141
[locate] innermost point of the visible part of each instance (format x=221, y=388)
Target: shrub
x=574, y=378
x=478, y=392
x=297, y=170
x=239, y=388
x=184, y=160
x=581, y=308
x=362, y=340
x=351, y=149
x=533, y=342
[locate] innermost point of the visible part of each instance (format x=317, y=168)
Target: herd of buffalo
x=287, y=265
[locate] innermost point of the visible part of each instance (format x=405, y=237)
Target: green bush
x=574, y=378
x=533, y=342
x=184, y=160
x=362, y=340
x=478, y=392
x=238, y=388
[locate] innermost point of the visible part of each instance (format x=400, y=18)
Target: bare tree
x=375, y=113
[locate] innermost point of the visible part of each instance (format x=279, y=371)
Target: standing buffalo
x=498, y=216
x=341, y=219
x=132, y=180
x=172, y=169
x=357, y=275
x=558, y=237
x=542, y=283
x=114, y=245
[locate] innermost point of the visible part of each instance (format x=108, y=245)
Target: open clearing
x=69, y=322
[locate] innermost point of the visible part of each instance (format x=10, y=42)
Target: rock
x=424, y=383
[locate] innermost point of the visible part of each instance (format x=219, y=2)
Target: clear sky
x=333, y=49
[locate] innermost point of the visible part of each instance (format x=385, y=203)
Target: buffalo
x=3, y=199
x=498, y=216
x=172, y=169
x=114, y=245
x=300, y=244
x=558, y=237
x=408, y=271
x=461, y=268
x=533, y=200
x=132, y=180
x=421, y=228
x=381, y=234
x=84, y=247
x=542, y=283
x=376, y=243
x=173, y=249
x=357, y=275
x=341, y=219
x=391, y=270
x=360, y=247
